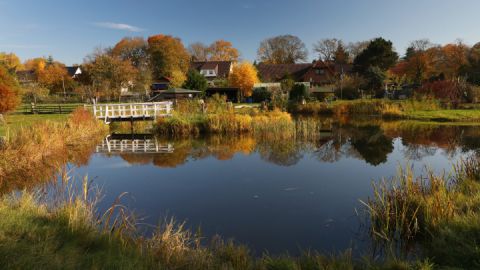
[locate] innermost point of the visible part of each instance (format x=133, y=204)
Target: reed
x=38, y=151
x=225, y=123
x=435, y=213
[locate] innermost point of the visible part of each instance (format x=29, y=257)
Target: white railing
x=150, y=110
x=133, y=146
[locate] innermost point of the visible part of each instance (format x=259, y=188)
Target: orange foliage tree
x=167, y=55
x=55, y=77
x=244, y=76
x=9, y=90
x=222, y=50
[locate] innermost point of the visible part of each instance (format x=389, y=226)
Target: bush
x=448, y=91
x=299, y=92
x=261, y=94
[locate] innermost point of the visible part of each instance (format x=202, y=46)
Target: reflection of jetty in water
x=133, y=143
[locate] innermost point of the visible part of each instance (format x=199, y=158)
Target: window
x=320, y=71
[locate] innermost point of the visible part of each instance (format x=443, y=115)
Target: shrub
x=299, y=92
x=261, y=94
x=448, y=91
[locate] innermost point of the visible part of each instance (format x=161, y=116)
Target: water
x=276, y=195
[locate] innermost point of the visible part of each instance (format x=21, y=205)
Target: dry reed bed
x=183, y=124
x=435, y=216
x=38, y=151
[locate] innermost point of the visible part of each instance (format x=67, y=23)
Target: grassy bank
x=15, y=122
x=39, y=150
x=423, y=110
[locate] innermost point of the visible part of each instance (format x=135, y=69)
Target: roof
x=223, y=67
x=318, y=72
x=275, y=72
x=25, y=75
x=72, y=71
x=181, y=91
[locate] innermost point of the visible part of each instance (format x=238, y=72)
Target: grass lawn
x=17, y=121
x=445, y=115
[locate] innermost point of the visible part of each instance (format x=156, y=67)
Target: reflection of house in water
x=133, y=143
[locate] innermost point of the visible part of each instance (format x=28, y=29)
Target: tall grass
x=437, y=216
x=224, y=123
x=38, y=151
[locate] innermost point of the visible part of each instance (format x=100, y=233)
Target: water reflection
x=272, y=192
x=370, y=142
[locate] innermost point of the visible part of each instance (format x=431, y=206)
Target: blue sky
x=69, y=30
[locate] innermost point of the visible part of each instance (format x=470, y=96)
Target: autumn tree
x=35, y=64
x=135, y=50
x=9, y=91
x=199, y=51
x=10, y=61
x=55, y=77
x=167, y=55
x=195, y=81
x=177, y=78
x=222, y=50
x=108, y=75
x=341, y=55
x=286, y=49
x=243, y=76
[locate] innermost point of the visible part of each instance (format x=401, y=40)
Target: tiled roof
x=223, y=67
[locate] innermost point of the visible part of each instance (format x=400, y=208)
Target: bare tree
x=199, y=51
x=326, y=48
x=421, y=44
x=285, y=49
x=355, y=48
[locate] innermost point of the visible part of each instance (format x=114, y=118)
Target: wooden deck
x=132, y=111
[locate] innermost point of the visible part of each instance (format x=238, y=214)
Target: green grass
x=17, y=121
x=445, y=115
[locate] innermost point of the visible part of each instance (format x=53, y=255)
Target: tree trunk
x=2, y=120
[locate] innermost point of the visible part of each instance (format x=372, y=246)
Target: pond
x=276, y=194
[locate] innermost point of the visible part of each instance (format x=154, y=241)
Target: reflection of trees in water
x=418, y=152
x=282, y=152
x=327, y=142
x=372, y=144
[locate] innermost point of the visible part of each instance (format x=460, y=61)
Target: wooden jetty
x=132, y=111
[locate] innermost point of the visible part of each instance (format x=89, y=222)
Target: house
x=74, y=71
x=318, y=76
x=178, y=93
x=25, y=77
x=160, y=85
x=318, y=73
x=213, y=70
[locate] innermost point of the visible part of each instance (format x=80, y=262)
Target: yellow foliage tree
x=244, y=76
x=10, y=61
x=177, y=78
x=35, y=64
